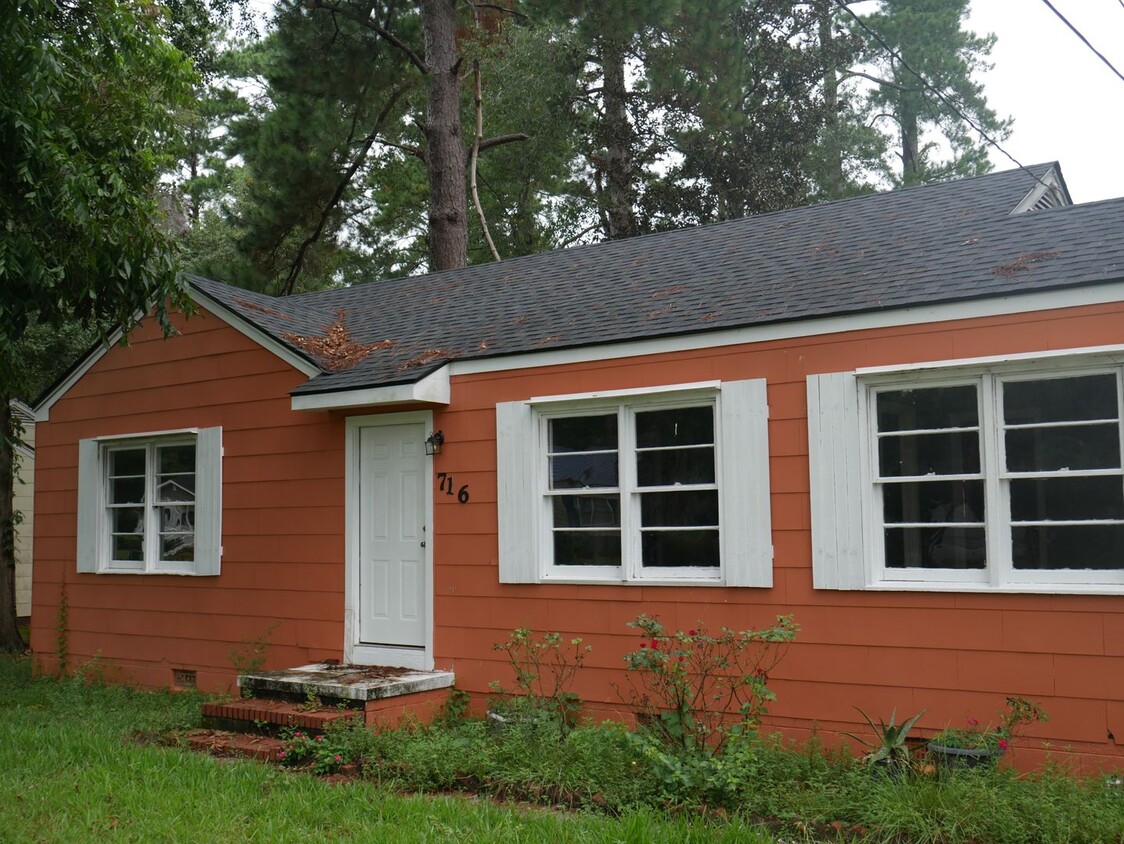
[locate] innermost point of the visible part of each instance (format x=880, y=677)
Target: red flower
x=643, y=646
x=973, y=722
x=337, y=758
x=280, y=754
x=692, y=633
x=656, y=644
x=1003, y=745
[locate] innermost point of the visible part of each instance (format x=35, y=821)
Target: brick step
x=237, y=745
x=268, y=716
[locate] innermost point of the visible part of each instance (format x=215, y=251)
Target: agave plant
x=888, y=747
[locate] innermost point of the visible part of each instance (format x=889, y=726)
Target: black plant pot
x=953, y=758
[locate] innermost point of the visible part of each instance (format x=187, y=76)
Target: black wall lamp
x=434, y=442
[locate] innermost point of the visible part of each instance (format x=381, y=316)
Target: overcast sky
x=1068, y=106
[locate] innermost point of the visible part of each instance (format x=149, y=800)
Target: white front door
x=392, y=555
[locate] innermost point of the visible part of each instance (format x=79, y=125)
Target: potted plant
x=975, y=745
x=888, y=751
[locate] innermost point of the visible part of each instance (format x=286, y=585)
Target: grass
x=73, y=772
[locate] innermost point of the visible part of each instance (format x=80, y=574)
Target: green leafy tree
x=923, y=62
x=88, y=93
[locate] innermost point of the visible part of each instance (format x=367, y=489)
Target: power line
x=937, y=93
x=1084, y=40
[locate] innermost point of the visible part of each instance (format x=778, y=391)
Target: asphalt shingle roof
x=940, y=243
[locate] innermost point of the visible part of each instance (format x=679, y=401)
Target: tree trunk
x=910, y=131
x=10, y=639
x=834, y=181
x=616, y=137
x=445, y=155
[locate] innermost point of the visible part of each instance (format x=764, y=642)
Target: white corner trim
x=247, y=328
x=42, y=411
x=432, y=389
x=1072, y=297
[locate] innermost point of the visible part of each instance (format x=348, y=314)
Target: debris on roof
x=335, y=350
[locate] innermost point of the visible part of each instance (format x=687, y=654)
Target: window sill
x=1005, y=589
x=155, y=572
x=606, y=581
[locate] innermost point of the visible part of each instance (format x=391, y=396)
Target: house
x=23, y=500
x=896, y=417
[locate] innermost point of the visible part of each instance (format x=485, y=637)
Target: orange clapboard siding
x=282, y=520
x=283, y=535
x=876, y=650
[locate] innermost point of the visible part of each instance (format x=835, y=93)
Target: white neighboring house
x=24, y=503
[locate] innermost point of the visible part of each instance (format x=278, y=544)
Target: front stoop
x=312, y=697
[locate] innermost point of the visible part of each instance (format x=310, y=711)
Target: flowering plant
x=974, y=736
x=324, y=755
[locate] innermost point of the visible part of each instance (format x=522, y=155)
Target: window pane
x=933, y=501
x=925, y=409
x=1060, y=399
x=583, y=433
x=1068, y=547
x=128, y=461
x=929, y=454
x=587, y=511
x=664, y=548
x=177, y=547
x=172, y=459
x=675, y=509
x=935, y=548
x=126, y=491
x=576, y=471
x=128, y=548
x=177, y=519
x=1075, y=447
x=587, y=548
x=1060, y=499
x=680, y=466
x=678, y=426
x=176, y=488
x=126, y=520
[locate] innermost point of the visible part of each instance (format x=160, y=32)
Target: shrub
x=544, y=667
x=693, y=690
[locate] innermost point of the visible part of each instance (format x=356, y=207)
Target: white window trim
x=93, y=527
x=741, y=471
x=847, y=547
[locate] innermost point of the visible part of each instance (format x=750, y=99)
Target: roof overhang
x=432, y=389
x=244, y=326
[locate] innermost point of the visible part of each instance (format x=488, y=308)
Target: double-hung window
x=999, y=476
x=150, y=504
x=668, y=485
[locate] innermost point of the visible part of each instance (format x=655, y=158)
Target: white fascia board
x=42, y=411
x=247, y=328
x=432, y=389
x=1072, y=297
x=1115, y=353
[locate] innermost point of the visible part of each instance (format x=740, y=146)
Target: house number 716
x=445, y=484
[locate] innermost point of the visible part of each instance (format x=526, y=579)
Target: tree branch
x=478, y=103
x=879, y=81
x=494, y=7
x=388, y=36
x=499, y=140
x=298, y=262
x=409, y=149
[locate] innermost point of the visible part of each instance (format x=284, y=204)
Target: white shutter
x=89, y=505
x=208, y=501
x=747, y=538
x=834, y=459
x=517, y=496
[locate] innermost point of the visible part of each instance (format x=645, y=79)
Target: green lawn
x=73, y=772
